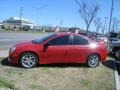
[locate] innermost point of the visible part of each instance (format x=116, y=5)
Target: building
x=17, y=23
x=1, y=25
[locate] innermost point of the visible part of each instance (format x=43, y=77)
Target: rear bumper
x=104, y=56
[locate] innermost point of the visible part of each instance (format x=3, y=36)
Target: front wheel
x=93, y=61
x=28, y=60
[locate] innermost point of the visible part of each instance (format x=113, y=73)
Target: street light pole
x=38, y=15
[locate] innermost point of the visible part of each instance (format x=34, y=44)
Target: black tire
x=28, y=60
x=93, y=60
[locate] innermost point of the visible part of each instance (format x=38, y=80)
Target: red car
x=58, y=48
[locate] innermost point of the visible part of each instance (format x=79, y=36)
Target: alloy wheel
x=28, y=60
x=93, y=61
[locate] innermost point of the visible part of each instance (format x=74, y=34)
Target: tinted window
x=77, y=40
x=62, y=40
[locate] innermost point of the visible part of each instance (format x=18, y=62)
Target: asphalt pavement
x=8, y=39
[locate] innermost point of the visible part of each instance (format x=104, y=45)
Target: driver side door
x=56, y=52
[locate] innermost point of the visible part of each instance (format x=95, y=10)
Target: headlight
x=12, y=49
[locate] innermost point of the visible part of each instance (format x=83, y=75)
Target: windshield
x=42, y=39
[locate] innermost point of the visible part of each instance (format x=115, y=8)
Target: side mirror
x=46, y=45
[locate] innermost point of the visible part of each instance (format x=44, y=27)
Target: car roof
x=69, y=33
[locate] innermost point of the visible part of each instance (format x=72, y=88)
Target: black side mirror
x=46, y=45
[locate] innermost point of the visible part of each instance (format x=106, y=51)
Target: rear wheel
x=28, y=60
x=93, y=61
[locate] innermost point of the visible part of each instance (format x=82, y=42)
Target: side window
x=77, y=40
x=62, y=40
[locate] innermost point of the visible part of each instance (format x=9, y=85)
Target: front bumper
x=13, y=58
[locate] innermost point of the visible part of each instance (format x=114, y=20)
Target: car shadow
x=113, y=64
x=109, y=64
x=111, y=55
x=64, y=65
x=5, y=62
x=118, y=66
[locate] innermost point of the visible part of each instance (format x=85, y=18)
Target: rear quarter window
x=77, y=40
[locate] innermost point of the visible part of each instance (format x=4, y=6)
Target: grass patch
x=6, y=84
x=37, y=87
x=57, y=78
x=84, y=82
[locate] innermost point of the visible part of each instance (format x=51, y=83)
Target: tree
x=87, y=12
x=3, y=27
x=98, y=24
x=114, y=24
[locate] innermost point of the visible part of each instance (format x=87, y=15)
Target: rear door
x=56, y=52
x=79, y=49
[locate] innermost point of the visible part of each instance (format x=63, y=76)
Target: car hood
x=24, y=43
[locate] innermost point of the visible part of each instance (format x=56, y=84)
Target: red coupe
x=58, y=48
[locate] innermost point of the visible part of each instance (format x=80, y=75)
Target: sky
x=53, y=12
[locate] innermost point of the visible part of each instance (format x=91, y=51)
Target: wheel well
x=29, y=52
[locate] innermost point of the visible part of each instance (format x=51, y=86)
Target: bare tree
x=114, y=24
x=98, y=24
x=87, y=12
x=104, y=28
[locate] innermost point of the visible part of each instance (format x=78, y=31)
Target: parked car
x=101, y=38
x=58, y=48
x=114, y=39
x=114, y=48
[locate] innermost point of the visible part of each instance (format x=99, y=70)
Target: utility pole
x=21, y=14
x=111, y=14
